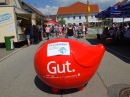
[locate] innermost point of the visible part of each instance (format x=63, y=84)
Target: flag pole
x=87, y=12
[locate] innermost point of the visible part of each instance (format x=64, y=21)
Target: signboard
x=11, y=28
x=7, y=23
x=5, y=17
x=58, y=48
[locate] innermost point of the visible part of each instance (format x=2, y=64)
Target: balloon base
x=81, y=88
x=55, y=90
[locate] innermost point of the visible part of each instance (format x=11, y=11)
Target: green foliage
x=92, y=35
x=62, y=20
x=96, y=27
x=106, y=22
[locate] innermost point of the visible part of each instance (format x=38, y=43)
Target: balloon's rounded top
x=67, y=63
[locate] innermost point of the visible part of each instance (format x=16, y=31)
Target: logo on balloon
x=58, y=48
x=56, y=69
x=62, y=50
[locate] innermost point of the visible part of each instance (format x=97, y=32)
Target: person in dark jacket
x=27, y=33
x=31, y=34
x=36, y=37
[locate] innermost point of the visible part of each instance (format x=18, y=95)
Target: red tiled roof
x=34, y=9
x=53, y=17
x=120, y=3
x=76, y=8
x=117, y=4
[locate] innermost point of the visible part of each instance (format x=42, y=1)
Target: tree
x=106, y=22
x=62, y=20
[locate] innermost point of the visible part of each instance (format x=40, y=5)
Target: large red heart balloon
x=67, y=63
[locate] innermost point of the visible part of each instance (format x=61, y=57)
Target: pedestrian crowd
x=36, y=33
x=116, y=34
x=33, y=33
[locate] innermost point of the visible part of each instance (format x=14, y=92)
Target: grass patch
x=96, y=27
x=92, y=35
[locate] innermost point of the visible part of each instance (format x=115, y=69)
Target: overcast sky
x=51, y=6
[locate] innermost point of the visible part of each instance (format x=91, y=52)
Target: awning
x=51, y=22
x=96, y=21
x=119, y=20
x=20, y=11
x=23, y=14
x=29, y=16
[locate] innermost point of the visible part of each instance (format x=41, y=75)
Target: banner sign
x=58, y=48
x=5, y=17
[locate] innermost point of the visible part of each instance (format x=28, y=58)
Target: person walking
x=35, y=34
x=83, y=26
x=84, y=31
x=27, y=33
x=60, y=31
x=75, y=28
x=79, y=31
x=52, y=31
x=47, y=31
x=56, y=29
x=31, y=34
x=70, y=31
x=41, y=32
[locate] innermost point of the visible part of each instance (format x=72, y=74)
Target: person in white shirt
x=84, y=30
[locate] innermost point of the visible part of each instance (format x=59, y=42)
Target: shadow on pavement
x=19, y=44
x=120, y=51
x=45, y=88
x=16, y=45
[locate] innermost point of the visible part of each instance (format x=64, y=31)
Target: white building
x=76, y=13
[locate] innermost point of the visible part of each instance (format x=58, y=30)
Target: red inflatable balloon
x=67, y=63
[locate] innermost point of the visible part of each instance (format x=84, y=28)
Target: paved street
x=4, y=53
x=18, y=77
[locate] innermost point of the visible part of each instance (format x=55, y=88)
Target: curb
x=11, y=54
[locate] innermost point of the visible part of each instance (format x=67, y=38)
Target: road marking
x=11, y=54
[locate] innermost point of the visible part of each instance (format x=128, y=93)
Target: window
x=73, y=17
x=91, y=16
x=79, y=17
x=68, y=18
x=28, y=10
x=85, y=17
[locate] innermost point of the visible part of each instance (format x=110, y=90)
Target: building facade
x=38, y=18
x=76, y=13
x=13, y=18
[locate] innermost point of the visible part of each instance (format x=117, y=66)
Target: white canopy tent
x=120, y=20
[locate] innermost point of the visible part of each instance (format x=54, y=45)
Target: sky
x=50, y=7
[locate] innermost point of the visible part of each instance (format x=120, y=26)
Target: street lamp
x=48, y=8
